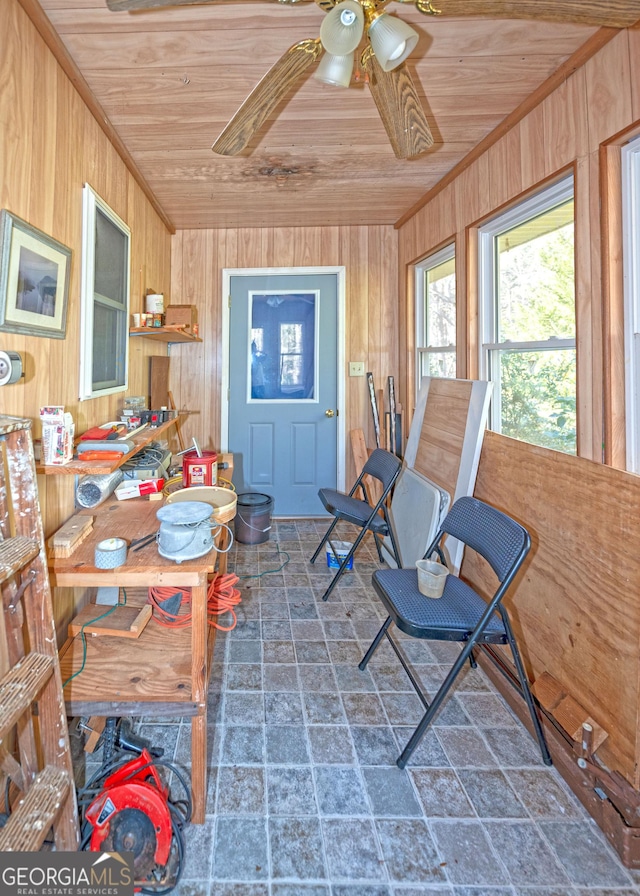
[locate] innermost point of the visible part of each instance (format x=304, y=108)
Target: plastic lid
x=254, y=499
x=184, y=512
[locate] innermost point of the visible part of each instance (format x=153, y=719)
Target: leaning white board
x=445, y=440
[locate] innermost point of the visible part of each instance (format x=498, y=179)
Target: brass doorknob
x=330, y=413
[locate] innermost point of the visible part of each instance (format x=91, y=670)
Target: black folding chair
x=383, y=466
x=461, y=614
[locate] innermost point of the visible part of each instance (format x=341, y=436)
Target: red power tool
x=132, y=814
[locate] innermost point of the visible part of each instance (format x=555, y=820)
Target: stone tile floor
x=304, y=795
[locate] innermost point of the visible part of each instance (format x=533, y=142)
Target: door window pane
x=283, y=353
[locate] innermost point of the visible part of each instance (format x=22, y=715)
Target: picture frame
x=34, y=280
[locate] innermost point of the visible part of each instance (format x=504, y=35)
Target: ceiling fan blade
x=398, y=103
x=266, y=96
x=612, y=13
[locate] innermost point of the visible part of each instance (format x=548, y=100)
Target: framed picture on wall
x=34, y=280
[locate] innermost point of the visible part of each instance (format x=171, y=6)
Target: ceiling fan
x=388, y=42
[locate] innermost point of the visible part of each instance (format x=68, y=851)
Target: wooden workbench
x=164, y=672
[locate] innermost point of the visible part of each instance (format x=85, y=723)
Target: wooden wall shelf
x=164, y=334
x=82, y=467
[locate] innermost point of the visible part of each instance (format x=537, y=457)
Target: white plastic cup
x=431, y=577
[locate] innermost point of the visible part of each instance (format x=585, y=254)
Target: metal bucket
x=253, y=518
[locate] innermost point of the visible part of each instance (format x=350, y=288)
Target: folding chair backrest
x=496, y=537
x=383, y=466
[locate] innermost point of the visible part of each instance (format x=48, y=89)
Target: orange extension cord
x=222, y=597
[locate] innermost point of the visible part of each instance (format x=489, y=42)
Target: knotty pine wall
x=50, y=145
x=369, y=256
x=598, y=104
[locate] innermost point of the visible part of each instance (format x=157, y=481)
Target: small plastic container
x=336, y=555
x=431, y=577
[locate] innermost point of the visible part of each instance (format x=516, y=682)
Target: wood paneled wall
x=575, y=607
x=574, y=604
x=597, y=103
x=369, y=256
x=50, y=145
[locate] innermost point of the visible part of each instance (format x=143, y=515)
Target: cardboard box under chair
x=181, y=316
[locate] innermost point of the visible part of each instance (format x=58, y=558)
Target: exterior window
x=436, y=315
x=631, y=236
x=104, y=352
x=528, y=319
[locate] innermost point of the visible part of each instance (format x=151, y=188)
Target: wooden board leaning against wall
x=575, y=609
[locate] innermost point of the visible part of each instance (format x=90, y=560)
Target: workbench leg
x=198, y=767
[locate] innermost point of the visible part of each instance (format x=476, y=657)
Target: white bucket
x=431, y=577
x=154, y=303
x=336, y=552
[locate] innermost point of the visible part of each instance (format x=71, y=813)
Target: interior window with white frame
x=528, y=318
x=435, y=290
x=631, y=255
x=104, y=350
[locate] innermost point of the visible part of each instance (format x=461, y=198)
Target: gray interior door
x=283, y=350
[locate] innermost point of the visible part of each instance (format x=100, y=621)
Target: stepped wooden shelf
x=82, y=467
x=165, y=334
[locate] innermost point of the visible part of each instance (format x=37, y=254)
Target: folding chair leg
x=396, y=552
x=343, y=565
x=379, y=550
x=362, y=665
x=528, y=697
x=427, y=718
x=324, y=540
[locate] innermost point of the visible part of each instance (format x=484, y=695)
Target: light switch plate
x=356, y=368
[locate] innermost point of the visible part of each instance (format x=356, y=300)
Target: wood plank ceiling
x=169, y=80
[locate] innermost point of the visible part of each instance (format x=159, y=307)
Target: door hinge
x=228, y=394
x=229, y=300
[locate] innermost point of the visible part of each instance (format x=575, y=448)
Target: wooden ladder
x=34, y=738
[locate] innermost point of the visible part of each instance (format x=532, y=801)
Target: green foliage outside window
x=536, y=304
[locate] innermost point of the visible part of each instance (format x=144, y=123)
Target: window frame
x=631, y=279
x=91, y=204
x=542, y=201
x=421, y=269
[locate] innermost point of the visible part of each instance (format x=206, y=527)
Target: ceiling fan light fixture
x=342, y=28
x=335, y=70
x=392, y=40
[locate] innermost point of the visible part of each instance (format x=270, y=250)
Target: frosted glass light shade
x=392, y=40
x=342, y=28
x=335, y=70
